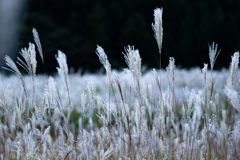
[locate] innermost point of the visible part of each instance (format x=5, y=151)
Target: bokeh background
x=77, y=26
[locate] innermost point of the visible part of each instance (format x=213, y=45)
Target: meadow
x=159, y=114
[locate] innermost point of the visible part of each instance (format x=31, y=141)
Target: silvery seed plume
x=38, y=43
x=157, y=27
x=229, y=88
x=30, y=64
x=25, y=65
x=234, y=66
x=102, y=57
x=129, y=57
x=33, y=58
x=138, y=63
x=63, y=67
x=12, y=66
x=104, y=60
x=133, y=60
x=213, y=54
x=171, y=68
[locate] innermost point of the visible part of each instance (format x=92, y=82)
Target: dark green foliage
x=77, y=26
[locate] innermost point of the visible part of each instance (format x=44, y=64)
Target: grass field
x=162, y=114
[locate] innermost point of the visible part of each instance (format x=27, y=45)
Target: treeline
x=77, y=26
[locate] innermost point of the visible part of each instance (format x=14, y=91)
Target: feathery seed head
x=213, y=54
x=234, y=65
x=62, y=61
x=104, y=60
x=129, y=57
x=33, y=61
x=63, y=67
x=133, y=59
x=29, y=55
x=12, y=66
x=157, y=27
x=138, y=62
x=171, y=68
x=37, y=41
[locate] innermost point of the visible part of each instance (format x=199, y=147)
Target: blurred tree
x=76, y=27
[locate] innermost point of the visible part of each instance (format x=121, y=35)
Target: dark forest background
x=77, y=26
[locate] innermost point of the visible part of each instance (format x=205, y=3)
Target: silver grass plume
x=171, y=69
x=38, y=43
x=171, y=72
x=229, y=88
x=129, y=57
x=213, y=54
x=30, y=64
x=63, y=71
x=138, y=62
x=13, y=68
x=158, y=34
x=234, y=66
x=63, y=67
x=157, y=27
x=133, y=60
x=104, y=60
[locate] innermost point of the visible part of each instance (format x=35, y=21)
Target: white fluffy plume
x=157, y=27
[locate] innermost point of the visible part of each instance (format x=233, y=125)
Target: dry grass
x=132, y=122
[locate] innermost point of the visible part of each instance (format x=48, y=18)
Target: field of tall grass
x=162, y=114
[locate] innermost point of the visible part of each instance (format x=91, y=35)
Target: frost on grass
x=38, y=43
x=185, y=114
x=157, y=27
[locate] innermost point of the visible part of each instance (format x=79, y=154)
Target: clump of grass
x=132, y=122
